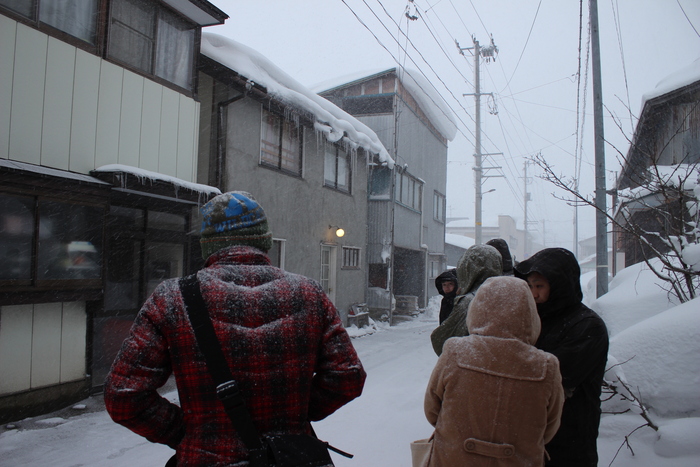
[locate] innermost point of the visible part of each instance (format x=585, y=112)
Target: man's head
x=539, y=286
x=234, y=218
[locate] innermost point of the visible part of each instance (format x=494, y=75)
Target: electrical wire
x=532, y=26
x=686, y=17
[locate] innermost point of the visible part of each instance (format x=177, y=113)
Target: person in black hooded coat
x=502, y=247
x=448, y=297
x=578, y=337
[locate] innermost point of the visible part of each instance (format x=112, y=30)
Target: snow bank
x=329, y=117
x=661, y=363
x=634, y=295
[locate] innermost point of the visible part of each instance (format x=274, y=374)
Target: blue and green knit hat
x=234, y=218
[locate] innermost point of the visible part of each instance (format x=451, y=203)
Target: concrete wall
x=299, y=209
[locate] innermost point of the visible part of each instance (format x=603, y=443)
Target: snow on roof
x=677, y=80
x=330, y=119
x=429, y=100
x=459, y=240
x=148, y=175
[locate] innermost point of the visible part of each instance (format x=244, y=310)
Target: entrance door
x=328, y=255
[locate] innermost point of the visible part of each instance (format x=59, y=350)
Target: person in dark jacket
x=446, y=285
x=280, y=334
x=502, y=247
x=578, y=337
x=476, y=265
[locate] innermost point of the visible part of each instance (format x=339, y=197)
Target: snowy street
x=377, y=427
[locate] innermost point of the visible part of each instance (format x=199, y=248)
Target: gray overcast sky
x=533, y=79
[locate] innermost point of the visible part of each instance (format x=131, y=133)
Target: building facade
x=301, y=157
x=99, y=121
x=406, y=214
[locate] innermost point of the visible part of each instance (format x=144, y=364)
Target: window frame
x=408, y=191
x=35, y=283
x=352, y=257
x=335, y=151
x=160, y=10
x=439, y=206
x=281, y=123
x=34, y=21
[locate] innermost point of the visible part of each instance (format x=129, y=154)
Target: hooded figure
x=577, y=336
x=502, y=247
x=477, y=264
x=448, y=296
x=493, y=398
x=280, y=334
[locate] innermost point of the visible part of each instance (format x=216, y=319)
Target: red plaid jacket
x=283, y=340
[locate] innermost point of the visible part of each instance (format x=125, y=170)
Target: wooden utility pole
x=600, y=192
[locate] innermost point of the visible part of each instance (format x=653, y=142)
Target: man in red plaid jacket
x=282, y=337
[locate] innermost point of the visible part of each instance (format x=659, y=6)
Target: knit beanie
x=234, y=218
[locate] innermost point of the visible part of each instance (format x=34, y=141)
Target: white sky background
x=533, y=78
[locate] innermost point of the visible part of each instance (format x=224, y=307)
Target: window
x=280, y=145
x=77, y=18
x=337, y=168
x=435, y=269
x=152, y=39
x=438, y=206
x=64, y=240
x=409, y=191
x=351, y=257
x=380, y=182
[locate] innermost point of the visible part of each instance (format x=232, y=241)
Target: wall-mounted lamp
x=338, y=231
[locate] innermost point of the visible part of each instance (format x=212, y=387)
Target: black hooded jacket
x=577, y=336
x=502, y=247
x=447, y=302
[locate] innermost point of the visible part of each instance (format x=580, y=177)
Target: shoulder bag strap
x=227, y=389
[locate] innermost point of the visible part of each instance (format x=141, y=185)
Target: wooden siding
x=65, y=108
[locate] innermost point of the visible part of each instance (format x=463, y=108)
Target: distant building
x=406, y=209
x=506, y=229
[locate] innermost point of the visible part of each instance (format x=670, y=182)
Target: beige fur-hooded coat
x=493, y=398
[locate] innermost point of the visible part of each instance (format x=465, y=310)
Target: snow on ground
x=378, y=426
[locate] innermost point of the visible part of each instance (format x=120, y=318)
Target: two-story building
x=99, y=127
x=304, y=159
x=406, y=215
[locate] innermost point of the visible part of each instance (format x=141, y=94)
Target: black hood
x=449, y=275
x=502, y=247
x=560, y=268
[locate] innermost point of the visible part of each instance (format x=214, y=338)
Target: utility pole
x=600, y=192
x=478, y=52
x=526, y=198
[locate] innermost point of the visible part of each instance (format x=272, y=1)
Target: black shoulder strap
x=227, y=389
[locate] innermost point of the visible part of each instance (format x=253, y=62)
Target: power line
x=686, y=17
x=526, y=42
x=397, y=60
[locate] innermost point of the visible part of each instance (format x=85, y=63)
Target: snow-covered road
x=377, y=427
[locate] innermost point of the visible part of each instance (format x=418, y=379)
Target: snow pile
x=634, y=295
x=428, y=98
x=430, y=102
x=658, y=360
x=330, y=119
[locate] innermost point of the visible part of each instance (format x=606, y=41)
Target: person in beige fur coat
x=493, y=398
